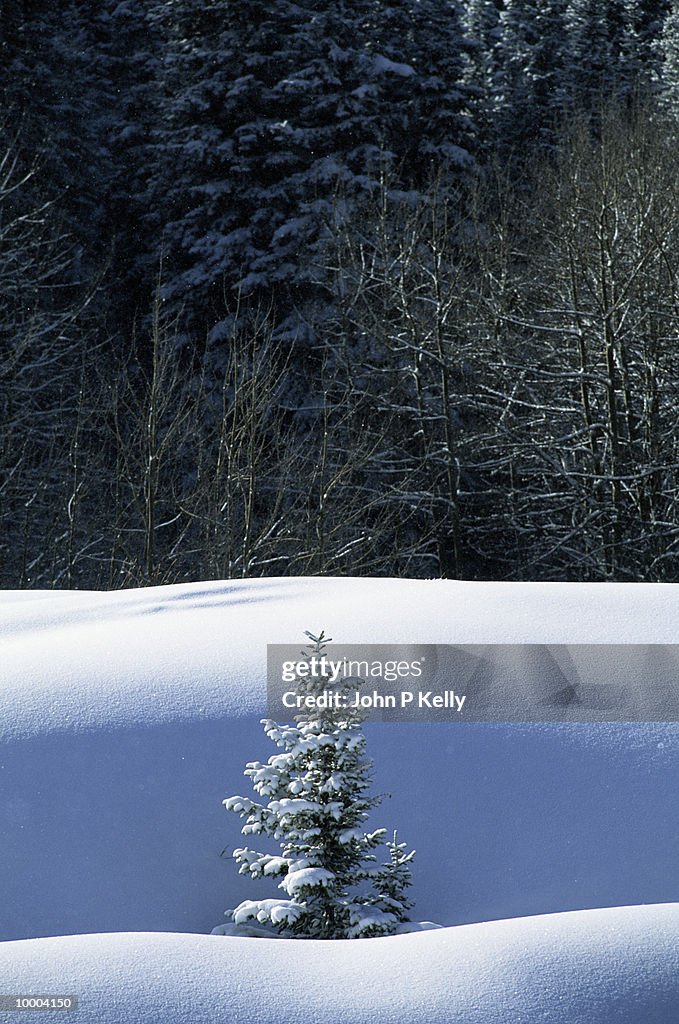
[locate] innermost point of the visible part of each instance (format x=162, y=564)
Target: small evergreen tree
x=316, y=804
x=393, y=879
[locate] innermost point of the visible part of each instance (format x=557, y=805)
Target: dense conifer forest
x=369, y=287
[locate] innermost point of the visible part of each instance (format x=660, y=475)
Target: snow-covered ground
x=589, y=967
x=126, y=718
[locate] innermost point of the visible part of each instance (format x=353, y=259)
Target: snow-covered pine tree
x=604, y=51
x=131, y=66
x=531, y=83
x=481, y=67
x=668, y=49
x=392, y=880
x=272, y=112
x=316, y=805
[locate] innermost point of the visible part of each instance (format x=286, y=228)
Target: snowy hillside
x=593, y=967
x=127, y=717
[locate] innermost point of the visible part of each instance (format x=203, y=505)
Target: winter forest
x=349, y=288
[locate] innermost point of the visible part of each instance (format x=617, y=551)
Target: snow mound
x=616, y=966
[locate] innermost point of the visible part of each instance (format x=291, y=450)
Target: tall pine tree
x=276, y=117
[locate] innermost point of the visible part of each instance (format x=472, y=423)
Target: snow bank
x=591, y=967
x=126, y=718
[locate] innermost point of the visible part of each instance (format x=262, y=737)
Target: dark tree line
x=353, y=288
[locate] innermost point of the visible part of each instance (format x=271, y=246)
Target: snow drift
x=590, y=967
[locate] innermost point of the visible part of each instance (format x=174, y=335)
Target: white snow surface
x=616, y=966
x=126, y=718
x=74, y=659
